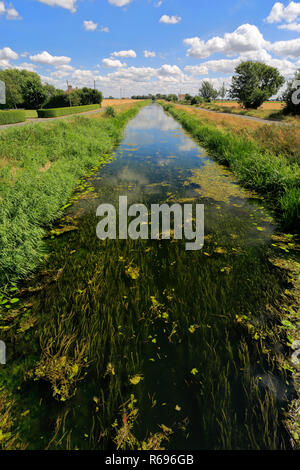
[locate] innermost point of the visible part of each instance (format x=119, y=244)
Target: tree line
x=252, y=85
x=25, y=90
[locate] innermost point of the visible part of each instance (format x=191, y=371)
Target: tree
x=197, y=100
x=172, y=97
x=24, y=89
x=223, y=91
x=255, y=83
x=33, y=92
x=208, y=92
x=89, y=96
x=291, y=96
x=12, y=80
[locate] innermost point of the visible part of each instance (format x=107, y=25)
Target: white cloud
x=11, y=12
x=119, y=3
x=290, y=27
x=67, y=4
x=46, y=58
x=8, y=54
x=64, y=67
x=170, y=19
x=26, y=66
x=169, y=71
x=289, y=49
x=90, y=25
x=279, y=13
x=245, y=38
x=148, y=54
x=104, y=29
x=108, y=63
x=196, y=70
x=130, y=54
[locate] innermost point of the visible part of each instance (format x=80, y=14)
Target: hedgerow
x=11, y=117
x=55, y=112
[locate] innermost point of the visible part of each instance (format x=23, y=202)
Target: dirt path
x=251, y=118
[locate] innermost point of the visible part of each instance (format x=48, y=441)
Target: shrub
x=55, y=112
x=10, y=117
x=110, y=111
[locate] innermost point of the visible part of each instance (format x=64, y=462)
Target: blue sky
x=146, y=46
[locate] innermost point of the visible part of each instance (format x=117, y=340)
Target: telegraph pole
x=69, y=94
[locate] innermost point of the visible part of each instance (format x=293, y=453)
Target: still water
x=176, y=341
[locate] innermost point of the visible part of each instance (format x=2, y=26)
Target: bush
x=10, y=117
x=110, y=111
x=55, y=112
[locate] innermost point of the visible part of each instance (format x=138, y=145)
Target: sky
x=131, y=47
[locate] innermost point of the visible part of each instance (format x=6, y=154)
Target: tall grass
x=257, y=169
x=41, y=164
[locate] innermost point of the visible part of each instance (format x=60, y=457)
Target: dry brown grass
x=222, y=122
x=268, y=105
x=115, y=103
x=278, y=139
x=270, y=110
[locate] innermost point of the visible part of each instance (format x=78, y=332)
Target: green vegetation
x=82, y=97
x=23, y=89
x=40, y=165
x=208, y=92
x=257, y=169
x=110, y=111
x=31, y=113
x=255, y=83
x=11, y=117
x=55, y=112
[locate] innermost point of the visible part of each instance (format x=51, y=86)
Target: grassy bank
x=40, y=165
x=268, y=173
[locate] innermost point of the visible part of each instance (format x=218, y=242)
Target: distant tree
x=89, y=96
x=172, y=97
x=33, y=92
x=291, y=96
x=197, y=100
x=223, y=91
x=208, y=92
x=255, y=83
x=188, y=98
